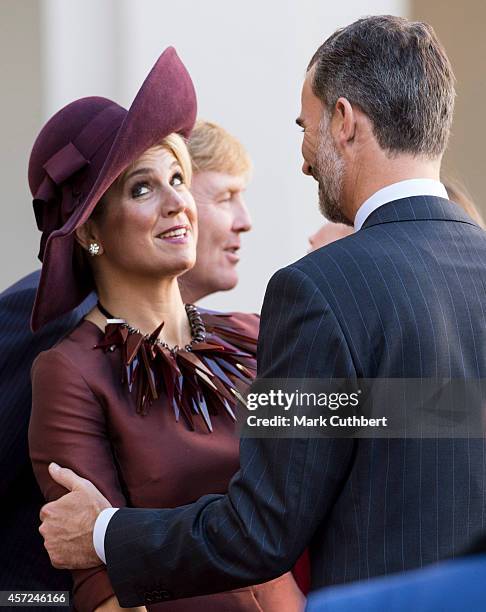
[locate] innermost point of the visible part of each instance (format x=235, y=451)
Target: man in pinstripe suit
x=402, y=297
x=24, y=563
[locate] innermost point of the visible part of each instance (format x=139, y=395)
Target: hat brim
x=165, y=103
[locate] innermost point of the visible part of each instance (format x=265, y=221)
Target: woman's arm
x=68, y=426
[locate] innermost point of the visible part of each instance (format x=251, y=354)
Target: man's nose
x=312, y=241
x=307, y=168
x=242, y=221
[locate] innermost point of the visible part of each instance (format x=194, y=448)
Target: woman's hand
x=112, y=605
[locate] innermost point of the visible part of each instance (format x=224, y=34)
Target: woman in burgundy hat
x=140, y=398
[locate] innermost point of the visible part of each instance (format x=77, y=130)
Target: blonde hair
x=213, y=148
x=177, y=146
x=458, y=194
x=173, y=143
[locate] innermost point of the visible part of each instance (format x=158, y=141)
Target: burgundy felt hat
x=78, y=154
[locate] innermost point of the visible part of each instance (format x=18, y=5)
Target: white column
x=20, y=118
x=79, y=51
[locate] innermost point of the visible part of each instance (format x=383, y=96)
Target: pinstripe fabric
x=24, y=563
x=403, y=297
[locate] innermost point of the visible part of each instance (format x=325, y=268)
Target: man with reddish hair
x=221, y=171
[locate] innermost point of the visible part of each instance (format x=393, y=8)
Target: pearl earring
x=94, y=249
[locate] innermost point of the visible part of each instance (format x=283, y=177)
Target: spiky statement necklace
x=199, y=380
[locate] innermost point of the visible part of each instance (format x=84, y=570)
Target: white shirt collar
x=397, y=191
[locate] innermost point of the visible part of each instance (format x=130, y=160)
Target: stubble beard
x=329, y=173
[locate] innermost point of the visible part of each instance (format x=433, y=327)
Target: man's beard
x=329, y=173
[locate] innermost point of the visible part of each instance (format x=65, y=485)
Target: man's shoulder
x=355, y=255
x=16, y=303
x=25, y=288
x=333, y=258
x=341, y=269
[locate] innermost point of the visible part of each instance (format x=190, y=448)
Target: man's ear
x=343, y=123
x=86, y=235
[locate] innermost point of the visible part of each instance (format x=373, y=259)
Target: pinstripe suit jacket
x=24, y=563
x=403, y=297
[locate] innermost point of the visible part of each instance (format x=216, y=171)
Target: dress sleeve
x=68, y=426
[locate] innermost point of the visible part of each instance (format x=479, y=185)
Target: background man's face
x=327, y=233
x=222, y=216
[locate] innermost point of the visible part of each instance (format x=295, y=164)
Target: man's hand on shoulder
x=68, y=523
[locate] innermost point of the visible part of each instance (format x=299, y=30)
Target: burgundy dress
x=138, y=446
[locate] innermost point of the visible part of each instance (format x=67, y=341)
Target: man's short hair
x=213, y=148
x=397, y=72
